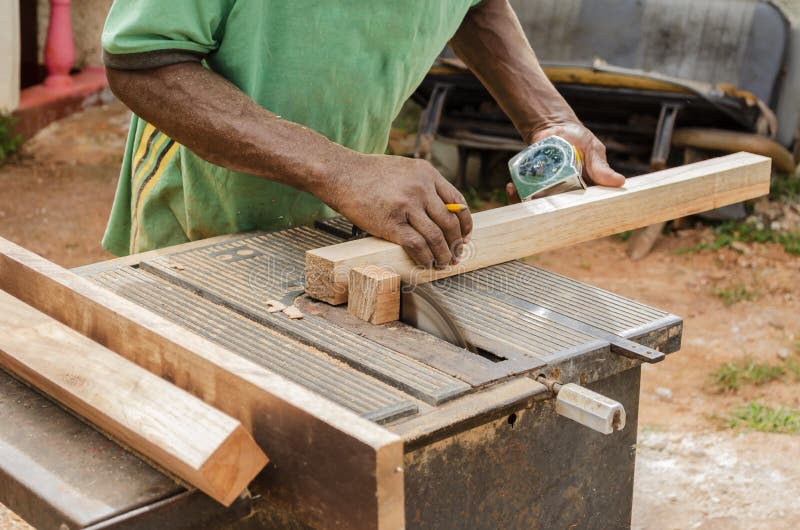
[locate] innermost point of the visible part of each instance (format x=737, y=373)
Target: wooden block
x=521, y=230
x=374, y=294
x=328, y=280
x=329, y=467
x=190, y=439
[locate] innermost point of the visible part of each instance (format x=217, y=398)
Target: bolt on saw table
x=483, y=444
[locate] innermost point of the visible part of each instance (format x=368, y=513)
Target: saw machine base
x=484, y=446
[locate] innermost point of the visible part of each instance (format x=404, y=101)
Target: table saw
x=483, y=444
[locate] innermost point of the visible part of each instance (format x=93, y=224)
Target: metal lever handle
x=587, y=407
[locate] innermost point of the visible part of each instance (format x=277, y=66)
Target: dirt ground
x=56, y=196
x=692, y=470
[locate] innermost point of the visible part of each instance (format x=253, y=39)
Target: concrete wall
x=9, y=58
x=88, y=17
x=792, y=8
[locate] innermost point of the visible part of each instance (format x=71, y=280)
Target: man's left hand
x=595, y=165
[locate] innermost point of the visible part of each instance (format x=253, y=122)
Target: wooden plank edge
x=166, y=425
x=229, y=464
x=746, y=175
x=308, y=437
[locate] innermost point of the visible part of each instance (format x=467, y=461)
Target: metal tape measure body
x=550, y=166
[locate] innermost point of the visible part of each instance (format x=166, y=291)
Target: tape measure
x=549, y=166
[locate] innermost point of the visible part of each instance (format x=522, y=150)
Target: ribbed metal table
x=484, y=447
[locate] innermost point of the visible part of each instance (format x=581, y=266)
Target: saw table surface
x=382, y=372
x=416, y=385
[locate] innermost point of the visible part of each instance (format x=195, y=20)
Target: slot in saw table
x=483, y=444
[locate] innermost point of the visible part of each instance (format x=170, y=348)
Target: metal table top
x=55, y=469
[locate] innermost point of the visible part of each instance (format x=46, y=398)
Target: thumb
x=511, y=192
x=600, y=172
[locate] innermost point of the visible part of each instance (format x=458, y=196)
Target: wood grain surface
x=521, y=230
x=194, y=441
x=328, y=465
x=374, y=295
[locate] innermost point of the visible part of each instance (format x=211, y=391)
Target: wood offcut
x=374, y=294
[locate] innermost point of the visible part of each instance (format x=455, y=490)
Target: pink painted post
x=59, y=52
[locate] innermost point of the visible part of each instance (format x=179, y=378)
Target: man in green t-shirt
x=264, y=114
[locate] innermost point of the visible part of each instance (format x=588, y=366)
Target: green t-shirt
x=343, y=68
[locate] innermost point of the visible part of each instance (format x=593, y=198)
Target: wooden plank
x=329, y=466
x=194, y=441
x=374, y=295
x=520, y=230
x=56, y=469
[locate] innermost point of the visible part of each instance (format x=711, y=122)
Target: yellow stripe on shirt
x=144, y=141
x=148, y=162
x=159, y=170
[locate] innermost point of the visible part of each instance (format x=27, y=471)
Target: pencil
x=456, y=208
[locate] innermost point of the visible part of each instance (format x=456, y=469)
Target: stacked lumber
x=168, y=426
x=357, y=479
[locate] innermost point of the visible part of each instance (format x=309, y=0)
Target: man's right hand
x=398, y=199
x=403, y=201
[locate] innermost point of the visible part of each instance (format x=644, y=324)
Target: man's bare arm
x=395, y=198
x=493, y=45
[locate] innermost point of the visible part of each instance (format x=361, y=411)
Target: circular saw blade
x=420, y=308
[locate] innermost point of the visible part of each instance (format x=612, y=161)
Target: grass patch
x=694, y=249
x=734, y=295
x=500, y=196
x=408, y=118
x=758, y=417
x=730, y=232
x=480, y=199
x=785, y=186
x=623, y=236
x=793, y=366
x=731, y=376
x=9, y=139
x=473, y=197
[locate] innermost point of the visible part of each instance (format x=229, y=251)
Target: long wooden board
x=193, y=440
x=521, y=230
x=329, y=466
